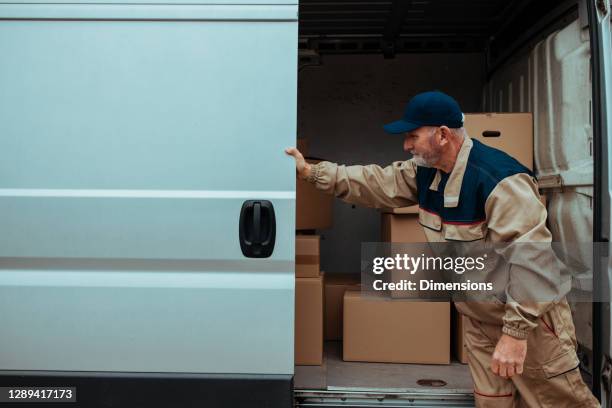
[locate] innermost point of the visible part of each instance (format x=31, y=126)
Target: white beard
x=420, y=161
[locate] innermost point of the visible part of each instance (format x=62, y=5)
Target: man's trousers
x=551, y=377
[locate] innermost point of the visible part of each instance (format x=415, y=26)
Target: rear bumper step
x=381, y=398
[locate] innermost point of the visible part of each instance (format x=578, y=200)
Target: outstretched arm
x=370, y=186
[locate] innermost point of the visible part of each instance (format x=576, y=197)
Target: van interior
x=361, y=61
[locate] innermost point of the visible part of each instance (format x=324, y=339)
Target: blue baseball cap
x=432, y=108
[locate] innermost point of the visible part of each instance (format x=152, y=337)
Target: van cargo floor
x=450, y=385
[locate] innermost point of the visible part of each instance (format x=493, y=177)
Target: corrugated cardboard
x=413, y=209
x=513, y=133
x=395, y=330
x=302, y=146
x=404, y=227
x=309, y=321
x=307, y=254
x=335, y=286
x=459, y=337
x=314, y=208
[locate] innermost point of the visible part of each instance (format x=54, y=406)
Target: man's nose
x=407, y=145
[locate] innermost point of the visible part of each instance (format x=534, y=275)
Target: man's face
x=421, y=143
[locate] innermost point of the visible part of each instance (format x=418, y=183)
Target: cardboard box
x=509, y=132
x=309, y=321
x=402, y=226
x=302, y=146
x=459, y=336
x=307, y=256
x=395, y=330
x=335, y=286
x=314, y=208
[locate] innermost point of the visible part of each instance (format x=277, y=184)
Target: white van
x=132, y=135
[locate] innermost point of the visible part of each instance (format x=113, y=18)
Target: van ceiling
x=395, y=26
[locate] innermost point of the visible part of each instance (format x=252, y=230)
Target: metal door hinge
x=550, y=181
x=578, y=175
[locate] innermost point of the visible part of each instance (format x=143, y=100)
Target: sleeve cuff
x=516, y=333
x=314, y=173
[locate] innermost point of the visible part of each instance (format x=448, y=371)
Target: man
x=519, y=353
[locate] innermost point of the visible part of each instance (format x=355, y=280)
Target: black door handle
x=256, y=222
x=257, y=228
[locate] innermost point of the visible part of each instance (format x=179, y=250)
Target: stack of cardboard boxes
x=313, y=208
x=399, y=327
x=313, y=212
x=308, y=301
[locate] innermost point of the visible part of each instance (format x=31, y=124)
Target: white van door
x=146, y=204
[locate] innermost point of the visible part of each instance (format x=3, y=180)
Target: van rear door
x=131, y=136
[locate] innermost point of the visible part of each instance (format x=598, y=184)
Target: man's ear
x=444, y=135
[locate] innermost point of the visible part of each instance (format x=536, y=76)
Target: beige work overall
x=514, y=214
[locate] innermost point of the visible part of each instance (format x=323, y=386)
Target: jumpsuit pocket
x=553, y=339
x=466, y=232
x=550, y=323
x=430, y=220
x=563, y=385
x=552, y=356
x=560, y=364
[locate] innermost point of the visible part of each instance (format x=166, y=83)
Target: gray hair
x=457, y=132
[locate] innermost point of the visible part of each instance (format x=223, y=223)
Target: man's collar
x=452, y=189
